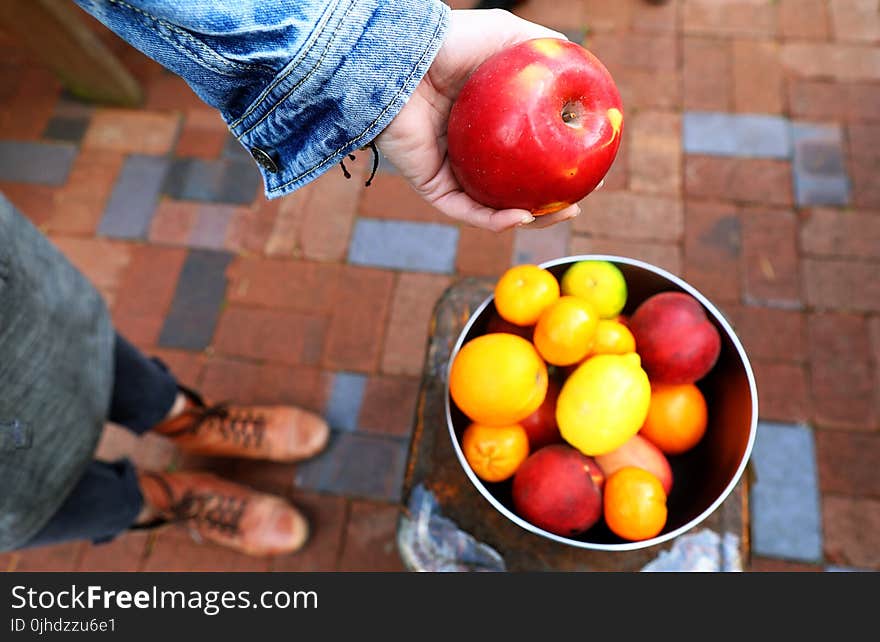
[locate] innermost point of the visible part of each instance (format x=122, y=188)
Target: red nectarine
x=559, y=489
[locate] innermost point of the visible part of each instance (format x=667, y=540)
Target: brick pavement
x=748, y=167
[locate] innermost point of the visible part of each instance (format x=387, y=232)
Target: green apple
x=599, y=282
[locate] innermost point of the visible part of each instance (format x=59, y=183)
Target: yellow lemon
x=603, y=403
x=600, y=283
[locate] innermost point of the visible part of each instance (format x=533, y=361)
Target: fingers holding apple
x=547, y=220
x=474, y=36
x=415, y=141
x=447, y=196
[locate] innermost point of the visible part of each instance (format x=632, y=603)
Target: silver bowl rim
x=624, y=546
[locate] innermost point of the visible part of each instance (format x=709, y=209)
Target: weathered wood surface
x=58, y=36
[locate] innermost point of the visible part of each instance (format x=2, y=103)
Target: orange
x=634, y=504
x=565, y=330
x=677, y=417
x=495, y=452
x=524, y=292
x=498, y=379
x=612, y=337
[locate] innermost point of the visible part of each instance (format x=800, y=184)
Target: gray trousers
x=107, y=499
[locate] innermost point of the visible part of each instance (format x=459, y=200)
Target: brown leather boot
x=223, y=512
x=279, y=433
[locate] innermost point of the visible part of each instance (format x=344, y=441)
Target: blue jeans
x=107, y=499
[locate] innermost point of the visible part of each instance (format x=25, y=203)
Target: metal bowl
x=703, y=476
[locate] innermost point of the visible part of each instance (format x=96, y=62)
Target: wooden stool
x=57, y=35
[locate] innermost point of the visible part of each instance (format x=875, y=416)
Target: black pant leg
x=143, y=388
x=104, y=503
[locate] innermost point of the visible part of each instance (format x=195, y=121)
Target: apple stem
x=572, y=113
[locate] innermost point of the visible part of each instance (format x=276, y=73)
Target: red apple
x=537, y=126
x=559, y=489
x=641, y=453
x=541, y=425
x=497, y=323
x=675, y=340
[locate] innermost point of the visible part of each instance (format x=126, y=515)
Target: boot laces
x=220, y=512
x=245, y=428
x=213, y=510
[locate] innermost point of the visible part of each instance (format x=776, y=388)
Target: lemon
x=599, y=282
x=603, y=403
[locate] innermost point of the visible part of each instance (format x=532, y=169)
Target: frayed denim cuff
x=351, y=78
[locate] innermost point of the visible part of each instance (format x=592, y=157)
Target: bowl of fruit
x=601, y=402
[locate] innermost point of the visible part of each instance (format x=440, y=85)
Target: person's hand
x=415, y=141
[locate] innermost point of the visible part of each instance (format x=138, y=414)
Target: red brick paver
x=803, y=19
x=389, y=405
x=203, y=134
x=739, y=179
x=358, y=324
x=146, y=292
x=78, y=205
x=707, y=73
x=849, y=528
x=370, y=539
x=655, y=153
x=126, y=553
x=55, y=558
x=712, y=249
x=408, y=325
x=483, y=252
x=251, y=382
x=104, y=262
x=327, y=516
x=848, y=462
x=132, y=132
x=757, y=92
x=729, y=17
x=786, y=342
x=842, y=378
x=631, y=216
x=270, y=335
x=782, y=391
x=770, y=258
x=391, y=197
x=174, y=550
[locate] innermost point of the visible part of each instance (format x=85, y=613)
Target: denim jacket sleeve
x=300, y=83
